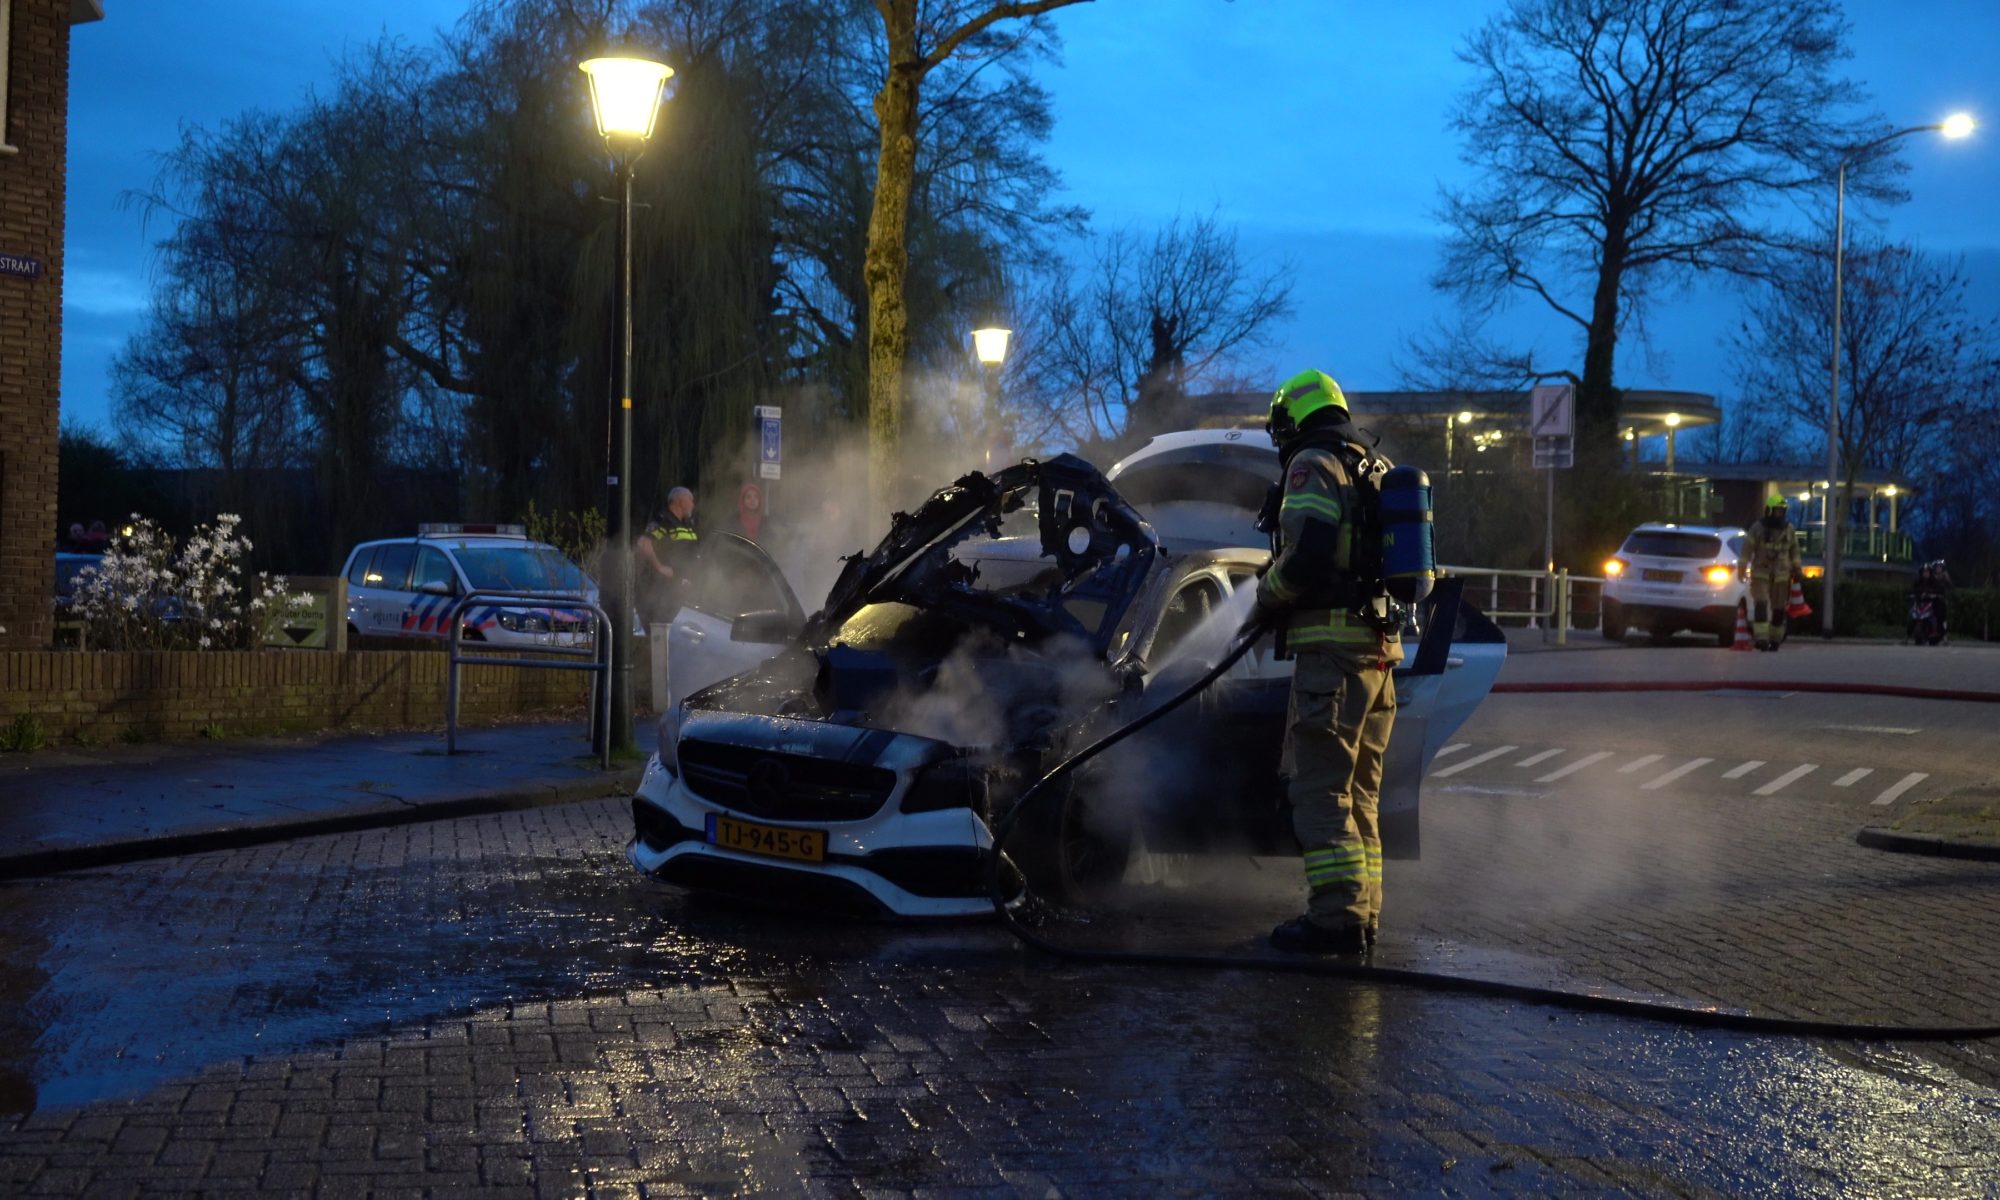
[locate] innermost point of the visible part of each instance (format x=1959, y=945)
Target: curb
x=1749, y=685
x=1931, y=847
x=236, y=837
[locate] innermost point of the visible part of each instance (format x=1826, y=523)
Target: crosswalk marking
x=1474, y=761
x=1900, y=786
x=1640, y=763
x=1532, y=759
x=1853, y=777
x=1742, y=769
x=1454, y=748
x=1787, y=779
x=1574, y=767
x=1693, y=764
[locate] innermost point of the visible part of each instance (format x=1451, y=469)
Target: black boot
x=1301, y=936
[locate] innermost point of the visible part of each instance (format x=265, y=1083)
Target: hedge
x=1975, y=613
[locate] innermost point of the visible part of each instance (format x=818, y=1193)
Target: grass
x=24, y=736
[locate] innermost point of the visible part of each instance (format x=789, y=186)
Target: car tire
x=1063, y=858
x=1614, y=621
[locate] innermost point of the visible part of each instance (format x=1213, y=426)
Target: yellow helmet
x=1298, y=398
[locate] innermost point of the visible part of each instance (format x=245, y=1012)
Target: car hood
x=1101, y=545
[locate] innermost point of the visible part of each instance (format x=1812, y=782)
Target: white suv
x=1667, y=578
x=407, y=587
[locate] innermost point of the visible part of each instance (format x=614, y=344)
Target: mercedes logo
x=768, y=780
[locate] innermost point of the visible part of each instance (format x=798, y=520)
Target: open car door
x=737, y=612
x=1438, y=686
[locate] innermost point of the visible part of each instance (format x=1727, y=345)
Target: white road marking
x=1897, y=729
x=1694, y=764
x=1900, y=786
x=1742, y=769
x=1786, y=780
x=1474, y=761
x=1640, y=763
x=1853, y=777
x=1574, y=767
x=1532, y=759
x=1454, y=748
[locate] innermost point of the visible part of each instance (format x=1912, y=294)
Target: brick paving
x=494, y=1006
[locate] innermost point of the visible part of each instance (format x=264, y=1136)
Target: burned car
x=1000, y=626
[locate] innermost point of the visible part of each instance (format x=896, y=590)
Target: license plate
x=804, y=845
x=1653, y=576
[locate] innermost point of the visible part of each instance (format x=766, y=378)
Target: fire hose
x=1042, y=790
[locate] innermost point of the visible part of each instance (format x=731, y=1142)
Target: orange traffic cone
x=1796, y=606
x=1742, y=641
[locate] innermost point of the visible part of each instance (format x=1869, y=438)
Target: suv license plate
x=1653, y=576
x=804, y=845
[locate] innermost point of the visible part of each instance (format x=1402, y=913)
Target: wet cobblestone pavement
x=498, y=1006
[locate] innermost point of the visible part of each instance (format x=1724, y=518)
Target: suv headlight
x=670, y=738
x=520, y=622
x=1614, y=567
x=1720, y=576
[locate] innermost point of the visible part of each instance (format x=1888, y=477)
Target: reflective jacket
x=1773, y=553
x=1311, y=578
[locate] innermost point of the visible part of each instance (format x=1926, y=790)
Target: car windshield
x=519, y=568
x=1672, y=543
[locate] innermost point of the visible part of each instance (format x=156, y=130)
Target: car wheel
x=1614, y=621
x=1065, y=855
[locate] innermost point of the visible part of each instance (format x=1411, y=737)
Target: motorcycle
x=1926, y=626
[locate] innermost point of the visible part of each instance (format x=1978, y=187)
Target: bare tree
x=1913, y=360
x=1628, y=142
x=1155, y=316
x=922, y=35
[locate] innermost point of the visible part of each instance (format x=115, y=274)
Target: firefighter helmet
x=1300, y=397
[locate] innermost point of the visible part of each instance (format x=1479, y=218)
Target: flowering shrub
x=149, y=593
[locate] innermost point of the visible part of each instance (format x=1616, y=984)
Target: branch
x=992, y=16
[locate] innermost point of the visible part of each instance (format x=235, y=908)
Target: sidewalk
x=1961, y=666
x=62, y=810
x=1965, y=824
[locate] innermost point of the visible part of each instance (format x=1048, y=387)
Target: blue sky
x=1198, y=104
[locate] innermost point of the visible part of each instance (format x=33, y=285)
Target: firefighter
x=1343, y=702
x=668, y=546
x=1773, y=550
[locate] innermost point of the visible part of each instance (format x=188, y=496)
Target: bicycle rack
x=599, y=656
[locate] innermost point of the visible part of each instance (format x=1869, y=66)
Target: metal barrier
x=1545, y=600
x=599, y=654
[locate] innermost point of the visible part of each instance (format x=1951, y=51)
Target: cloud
x=92, y=291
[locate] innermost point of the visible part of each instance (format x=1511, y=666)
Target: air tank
x=1409, y=559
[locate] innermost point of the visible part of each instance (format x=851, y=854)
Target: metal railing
x=1544, y=600
x=598, y=652
x=1874, y=545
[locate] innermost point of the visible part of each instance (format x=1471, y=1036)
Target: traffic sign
x=1554, y=453
x=770, y=441
x=1552, y=413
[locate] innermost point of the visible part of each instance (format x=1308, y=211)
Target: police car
x=407, y=587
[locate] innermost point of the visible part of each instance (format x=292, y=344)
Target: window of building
x=6, y=55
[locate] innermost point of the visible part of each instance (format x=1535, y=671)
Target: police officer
x=1343, y=702
x=1773, y=548
x=668, y=547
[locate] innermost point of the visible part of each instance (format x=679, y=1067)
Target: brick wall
x=109, y=696
x=31, y=226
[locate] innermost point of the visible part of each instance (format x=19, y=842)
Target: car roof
x=1677, y=527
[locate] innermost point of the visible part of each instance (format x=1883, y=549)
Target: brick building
x=34, y=112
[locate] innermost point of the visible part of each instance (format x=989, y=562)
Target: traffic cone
x=1742, y=641
x=1796, y=606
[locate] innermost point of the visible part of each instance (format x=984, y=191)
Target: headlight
x=1614, y=567
x=519, y=622
x=1720, y=576
x=670, y=739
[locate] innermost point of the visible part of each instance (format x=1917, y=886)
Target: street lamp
x=625, y=98
x=989, y=346
x=1957, y=125
x=1673, y=425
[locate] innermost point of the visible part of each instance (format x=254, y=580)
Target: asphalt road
x=497, y=1006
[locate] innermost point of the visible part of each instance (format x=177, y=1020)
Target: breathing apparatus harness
x=1005, y=901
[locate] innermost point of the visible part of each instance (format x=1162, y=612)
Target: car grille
x=783, y=787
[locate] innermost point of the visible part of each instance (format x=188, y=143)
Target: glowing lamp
x=989, y=345
x=1673, y=420
x=1465, y=418
x=1719, y=576
x=1958, y=125
x=625, y=95
x=1614, y=567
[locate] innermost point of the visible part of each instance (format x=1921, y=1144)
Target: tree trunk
x=888, y=259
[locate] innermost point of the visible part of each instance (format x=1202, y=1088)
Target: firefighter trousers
x=1769, y=598
x=1342, y=712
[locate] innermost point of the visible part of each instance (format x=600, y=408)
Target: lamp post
x=1673, y=427
x=625, y=97
x=989, y=346
x=1463, y=418
x=1957, y=125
